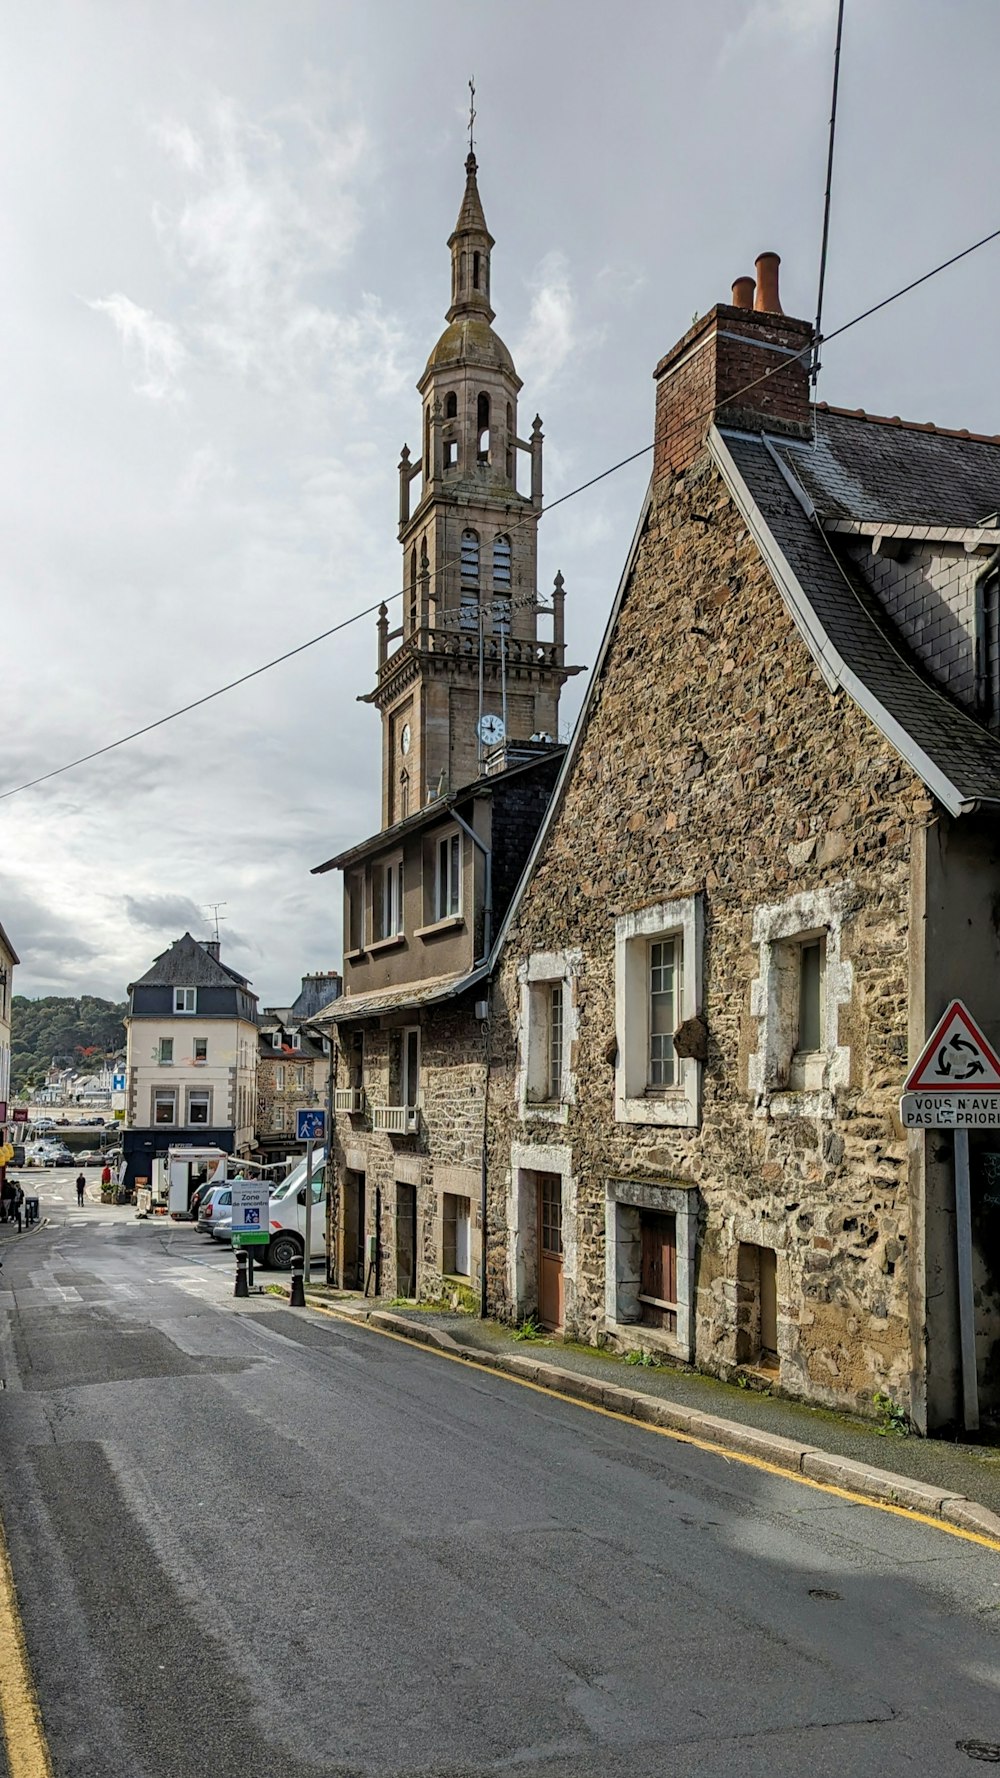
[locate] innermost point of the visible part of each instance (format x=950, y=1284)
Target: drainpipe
x=982, y=665
x=488, y=886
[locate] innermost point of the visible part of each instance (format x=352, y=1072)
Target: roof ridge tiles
x=860, y=413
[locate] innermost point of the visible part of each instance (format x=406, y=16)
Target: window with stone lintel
x=658, y=988
x=803, y=982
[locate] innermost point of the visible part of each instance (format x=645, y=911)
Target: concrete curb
x=749, y=1441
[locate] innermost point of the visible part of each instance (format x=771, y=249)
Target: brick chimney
x=701, y=380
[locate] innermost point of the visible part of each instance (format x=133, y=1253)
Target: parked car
x=45, y=1123
x=58, y=1156
x=210, y=1205
x=222, y=1226
x=62, y=1123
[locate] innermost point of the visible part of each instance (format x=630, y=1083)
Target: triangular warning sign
x=956, y=1058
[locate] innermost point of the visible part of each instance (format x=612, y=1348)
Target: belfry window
x=469, y=618
x=475, y=271
x=483, y=429
x=511, y=442
x=413, y=589
x=451, y=406
x=501, y=586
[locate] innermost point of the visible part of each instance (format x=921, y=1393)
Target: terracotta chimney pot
x=743, y=290
x=767, y=298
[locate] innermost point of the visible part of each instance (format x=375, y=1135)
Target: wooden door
x=658, y=1277
x=406, y=1240
x=354, y=1231
x=550, y=1250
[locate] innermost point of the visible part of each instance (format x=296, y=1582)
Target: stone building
x=293, y=1065
x=468, y=692
x=192, y=1057
x=772, y=857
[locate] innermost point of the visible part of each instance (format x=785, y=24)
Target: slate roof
x=840, y=619
x=400, y=998
x=186, y=964
x=886, y=471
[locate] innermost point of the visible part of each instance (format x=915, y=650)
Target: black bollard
x=241, y=1287
x=297, y=1295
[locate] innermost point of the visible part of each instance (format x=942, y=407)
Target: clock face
x=404, y=739
x=490, y=730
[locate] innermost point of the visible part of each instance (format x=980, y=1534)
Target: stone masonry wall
x=446, y=1154
x=715, y=762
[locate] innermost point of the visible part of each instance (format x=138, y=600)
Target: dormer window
x=185, y=1000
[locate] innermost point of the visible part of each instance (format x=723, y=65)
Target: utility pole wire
x=827, y=196
x=368, y=610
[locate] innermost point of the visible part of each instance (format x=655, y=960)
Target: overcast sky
x=223, y=247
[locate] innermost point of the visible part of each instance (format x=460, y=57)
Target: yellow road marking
x=681, y=1438
x=20, y=1718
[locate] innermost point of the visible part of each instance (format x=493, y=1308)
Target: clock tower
x=477, y=659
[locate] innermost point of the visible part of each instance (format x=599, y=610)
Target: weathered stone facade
x=715, y=764
x=443, y=1158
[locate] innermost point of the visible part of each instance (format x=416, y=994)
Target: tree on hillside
x=63, y=1032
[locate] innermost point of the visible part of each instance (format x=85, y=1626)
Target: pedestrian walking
x=17, y=1210
x=81, y=1186
x=6, y=1198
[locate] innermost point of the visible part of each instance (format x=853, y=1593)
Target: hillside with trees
x=62, y=1032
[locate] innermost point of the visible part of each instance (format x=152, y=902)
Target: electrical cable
x=345, y=623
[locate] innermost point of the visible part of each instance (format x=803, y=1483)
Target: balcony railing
x=349, y=1099
x=396, y=1120
x=459, y=644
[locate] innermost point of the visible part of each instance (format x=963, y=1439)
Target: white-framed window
x=199, y=1105
x=802, y=983
x=448, y=876
x=388, y=900
x=300, y=1077
x=409, y=1070
x=279, y=1077
x=165, y=1054
x=201, y=1049
x=456, y=1244
x=664, y=981
x=164, y=1105
x=185, y=999
x=546, y=1083
x=657, y=989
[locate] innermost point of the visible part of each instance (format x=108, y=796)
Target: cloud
x=152, y=347
x=267, y=210
x=165, y=912
x=797, y=23
x=552, y=332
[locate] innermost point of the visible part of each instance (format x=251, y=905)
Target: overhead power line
x=612, y=469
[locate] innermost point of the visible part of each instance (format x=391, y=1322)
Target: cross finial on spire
x=472, y=114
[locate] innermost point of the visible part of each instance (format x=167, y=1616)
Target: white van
x=287, y=1217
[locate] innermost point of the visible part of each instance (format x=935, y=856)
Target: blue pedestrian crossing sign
x=310, y=1126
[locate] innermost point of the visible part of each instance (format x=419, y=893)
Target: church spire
x=471, y=244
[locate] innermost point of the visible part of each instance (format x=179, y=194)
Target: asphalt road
x=261, y=1544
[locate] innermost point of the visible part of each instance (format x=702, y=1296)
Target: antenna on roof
x=826, y=201
x=213, y=907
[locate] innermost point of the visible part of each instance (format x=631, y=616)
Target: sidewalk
x=772, y=1427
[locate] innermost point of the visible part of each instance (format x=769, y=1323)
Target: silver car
x=219, y=1198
